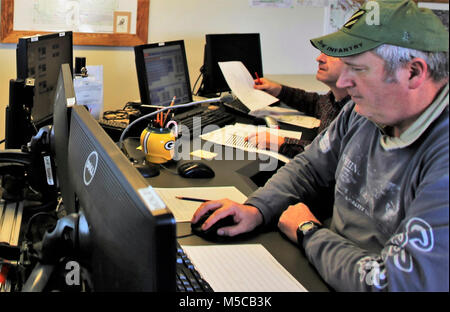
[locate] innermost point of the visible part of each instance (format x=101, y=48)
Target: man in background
x=324, y=107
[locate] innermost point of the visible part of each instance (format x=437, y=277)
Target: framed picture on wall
x=104, y=23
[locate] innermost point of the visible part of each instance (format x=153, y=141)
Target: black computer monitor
x=64, y=97
x=162, y=73
x=38, y=61
x=132, y=240
x=244, y=47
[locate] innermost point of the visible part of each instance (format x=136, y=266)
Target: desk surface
x=239, y=173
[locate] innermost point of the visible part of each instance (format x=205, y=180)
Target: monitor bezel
x=63, y=99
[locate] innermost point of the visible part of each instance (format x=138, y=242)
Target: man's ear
x=418, y=72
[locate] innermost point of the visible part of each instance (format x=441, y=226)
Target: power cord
x=169, y=170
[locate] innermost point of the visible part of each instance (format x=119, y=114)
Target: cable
x=171, y=171
x=186, y=235
x=195, y=84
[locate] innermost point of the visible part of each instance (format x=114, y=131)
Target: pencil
x=257, y=78
x=192, y=199
x=171, y=104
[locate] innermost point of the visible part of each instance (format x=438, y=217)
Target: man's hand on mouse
x=246, y=217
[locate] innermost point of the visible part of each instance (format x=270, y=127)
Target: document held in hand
x=241, y=83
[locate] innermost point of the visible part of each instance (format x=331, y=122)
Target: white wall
x=285, y=35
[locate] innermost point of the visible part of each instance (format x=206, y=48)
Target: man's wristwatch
x=306, y=228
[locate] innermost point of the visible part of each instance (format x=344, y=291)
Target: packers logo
x=355, y=17
x=169, y=145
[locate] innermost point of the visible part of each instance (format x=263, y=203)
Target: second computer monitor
x=163, y=73
x=244, y=47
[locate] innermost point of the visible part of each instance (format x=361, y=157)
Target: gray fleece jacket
x=389, y=228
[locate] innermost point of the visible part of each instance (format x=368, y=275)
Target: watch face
x=305, y=227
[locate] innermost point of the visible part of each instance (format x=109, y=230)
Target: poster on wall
x=314, y=3
x=83, y=16
x=101, y=23
x=337, y=12
x=272, y=3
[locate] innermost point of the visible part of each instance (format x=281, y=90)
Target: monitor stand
x=68, y=240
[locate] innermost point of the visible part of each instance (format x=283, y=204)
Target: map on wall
x=337, y=12
x=84, y=16
x=272, y=3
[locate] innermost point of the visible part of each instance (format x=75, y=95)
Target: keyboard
x=113, y=128
x=197, y=120
x=106, y=123
x=237, y=105
x=188, y=278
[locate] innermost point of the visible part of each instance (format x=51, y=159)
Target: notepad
x=183, y=210
x=241, y=268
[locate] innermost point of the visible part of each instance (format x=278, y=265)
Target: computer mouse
x=211, y=233
x=147, y=170
x=195, y=170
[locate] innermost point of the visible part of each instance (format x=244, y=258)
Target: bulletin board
x=100, y=23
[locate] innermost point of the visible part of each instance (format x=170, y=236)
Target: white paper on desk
x=287, y=115
x=274, y=111
x=299, y=120
x=234, y=136
x=241, y=83
x=246, y=128
x=241, y=268
x=183, y=210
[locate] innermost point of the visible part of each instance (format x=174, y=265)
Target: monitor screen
x=229, y=47
x=163, y=73
x=40, y=58
x=132, y=235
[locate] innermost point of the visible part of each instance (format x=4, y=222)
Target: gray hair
x=396, y=57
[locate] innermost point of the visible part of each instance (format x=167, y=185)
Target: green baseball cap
x=398, y=23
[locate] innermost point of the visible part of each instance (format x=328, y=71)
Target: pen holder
x=158, y=144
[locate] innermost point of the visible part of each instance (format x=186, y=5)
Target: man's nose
x=344, y=80
x=322, y=58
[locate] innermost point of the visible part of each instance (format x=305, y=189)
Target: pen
x=257, y=77
x=171, y=104
x=192, y=199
